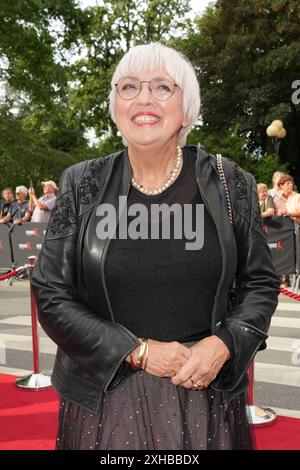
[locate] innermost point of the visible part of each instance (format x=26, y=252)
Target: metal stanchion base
x=34, y=382
x=261, y=417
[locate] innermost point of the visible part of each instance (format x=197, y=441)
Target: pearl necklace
x=164, y=186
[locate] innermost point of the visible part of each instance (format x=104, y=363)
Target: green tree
x=26, y=155
x=236, y=147
x=35, y=37
x=112, y=30
x=247, y=55
x=37, y=135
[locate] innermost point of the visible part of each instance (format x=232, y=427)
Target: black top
x=4, y=208
x=159, y=289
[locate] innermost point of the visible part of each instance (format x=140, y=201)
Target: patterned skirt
x=148, y=412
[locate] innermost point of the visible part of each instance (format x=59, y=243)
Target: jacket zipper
x=204, y=196
x=105, y=248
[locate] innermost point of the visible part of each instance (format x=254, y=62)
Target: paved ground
x=277, y=370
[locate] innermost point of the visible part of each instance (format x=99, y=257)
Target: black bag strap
x=222, y=176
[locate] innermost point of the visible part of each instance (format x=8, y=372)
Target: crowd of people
x=282, y=201
x=23, y=205
x=15, y=208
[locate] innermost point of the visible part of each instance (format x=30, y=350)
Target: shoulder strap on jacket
x=221, y=173
x=220, y=170
x=222, y=176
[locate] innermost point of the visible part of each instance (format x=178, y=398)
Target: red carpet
x=283, y=435
x=28, y=420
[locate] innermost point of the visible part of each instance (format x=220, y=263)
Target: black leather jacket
x=71, y=293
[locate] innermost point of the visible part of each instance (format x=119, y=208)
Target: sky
x=199, y=5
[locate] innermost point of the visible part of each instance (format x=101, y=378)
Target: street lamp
x=277, y=132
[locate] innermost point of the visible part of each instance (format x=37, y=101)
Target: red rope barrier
x=12, y=273
x=3, y=277
x=288, y=293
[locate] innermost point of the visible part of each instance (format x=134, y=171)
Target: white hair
x=22, y=189
x=157, y=56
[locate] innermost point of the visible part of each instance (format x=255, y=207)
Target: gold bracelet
x=146, y=355
x=131, y=360
x=131, y=354
x=139, y=360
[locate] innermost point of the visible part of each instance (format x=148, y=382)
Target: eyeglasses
x=162, y=89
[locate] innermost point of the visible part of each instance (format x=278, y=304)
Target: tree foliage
x=112, y=29
x=38, y=140
x=233, y=145
x=35, y=37
x=57, y=60
x=247, y=54
x=26, y=155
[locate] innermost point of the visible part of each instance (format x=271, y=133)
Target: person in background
x=266, y=203
x=19, y=210
x=288, y=202
x=275, y=191
x=288, y=205
x=8, y=199
x=41, y=208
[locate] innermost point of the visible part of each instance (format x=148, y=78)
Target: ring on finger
x=197, y=383
x=200, y=383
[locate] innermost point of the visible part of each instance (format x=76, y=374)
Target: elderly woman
x=19, y=210
x=266, y=203
x=275, y=191
x=288, y=203
x=155, y=332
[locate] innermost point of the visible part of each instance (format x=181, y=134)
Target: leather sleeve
x=98, y=346
x=256, y=297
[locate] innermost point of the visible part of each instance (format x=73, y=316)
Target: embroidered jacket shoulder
x=78, y=189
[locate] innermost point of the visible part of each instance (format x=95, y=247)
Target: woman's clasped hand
x=195, y=367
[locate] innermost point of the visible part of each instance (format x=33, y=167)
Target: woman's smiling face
x=146, y=120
